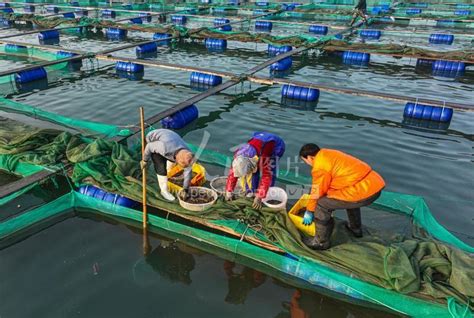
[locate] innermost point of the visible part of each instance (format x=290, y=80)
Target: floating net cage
x=417, y=268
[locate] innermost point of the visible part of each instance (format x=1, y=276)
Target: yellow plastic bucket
x=297, y=219
x=196, y=181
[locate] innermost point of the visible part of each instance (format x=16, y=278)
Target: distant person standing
x=360, y=10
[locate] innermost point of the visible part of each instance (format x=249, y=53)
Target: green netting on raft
x=411, y=205
x=314, y=9
x=295, y=40
x=31, y=56
x=86, y=127
x=316, y=273
x=396, y=49
x=417, y=266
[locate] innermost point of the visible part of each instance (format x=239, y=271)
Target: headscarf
x=244, y=168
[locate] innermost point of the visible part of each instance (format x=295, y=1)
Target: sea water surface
x=93, y=268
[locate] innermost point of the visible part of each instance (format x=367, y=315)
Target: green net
x=86, y=127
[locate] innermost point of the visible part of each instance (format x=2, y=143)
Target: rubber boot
x=354, y=224
x=321, y=241
x=163, y=183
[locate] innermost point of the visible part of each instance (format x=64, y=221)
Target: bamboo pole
x=142, y=126
x=146, y=243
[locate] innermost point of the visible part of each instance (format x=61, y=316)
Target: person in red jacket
x=255, y=165
x=340, y=181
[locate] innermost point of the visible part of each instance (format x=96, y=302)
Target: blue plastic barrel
x=205, y=79
x=29, y=8
x=7, y=10
x=48, y=35
x=100, y=194
x=129, y=67
x=424, y=63
x=437, y=38
x=73, y=65
x=107, y=13
x=146, y=48
x=218, y=23
x=263, y=25
x=178, y=19
x=31, y=75
x=370, y=34
x=4, y=5
x=413, y=11
x=282, y=65
x=259, y=11
x=349, y=57
x=116, y=33
x=181, y=118
x=145, y=16
x=69, y=15
x=319, y=29
x=428, y=112
x=288, y=7
x=262, y=3
x=218, y=10
x=82, y=12
x=13, y=48
x=158, y=36
x=74, y=4
x=53, y=9
x=300, y=93
x=275, y=49
x=216, y=44
x=136, y=20
x=64, y=54
x=462, y=12
x=131, y=76
x=376, y=10
x=448, y=68
x=445, y=23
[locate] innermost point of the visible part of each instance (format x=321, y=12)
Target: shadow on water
x=169, y=261
x=176, y=256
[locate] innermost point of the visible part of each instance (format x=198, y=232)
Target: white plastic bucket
x=277, y=194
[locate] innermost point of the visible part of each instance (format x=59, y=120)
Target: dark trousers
x=327, y=205
x=159, y=162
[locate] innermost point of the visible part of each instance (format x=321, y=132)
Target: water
x=437, y=165
x=101, y=269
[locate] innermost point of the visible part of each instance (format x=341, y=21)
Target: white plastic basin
x=277, y=194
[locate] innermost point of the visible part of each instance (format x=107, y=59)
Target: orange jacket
x=340, y=176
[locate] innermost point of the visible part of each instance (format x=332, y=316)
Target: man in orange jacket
x=340, y=181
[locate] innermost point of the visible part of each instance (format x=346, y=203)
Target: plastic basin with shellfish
x=200, y=199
